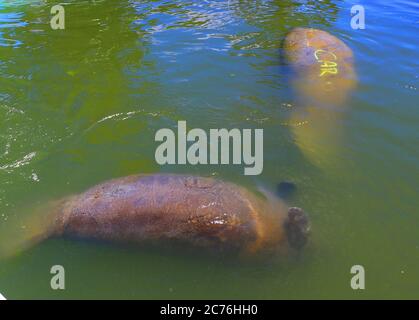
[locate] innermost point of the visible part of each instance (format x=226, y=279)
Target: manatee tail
x=318, y=133
x=21, y=234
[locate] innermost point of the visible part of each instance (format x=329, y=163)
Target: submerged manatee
x=323, y=65
x=323, y=78
x=183, y=209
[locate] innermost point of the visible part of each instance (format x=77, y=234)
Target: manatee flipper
x=286, y=190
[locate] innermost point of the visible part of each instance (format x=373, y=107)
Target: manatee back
x=323, y=65
x=201, y=211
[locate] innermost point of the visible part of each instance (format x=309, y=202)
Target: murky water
x=82, y=105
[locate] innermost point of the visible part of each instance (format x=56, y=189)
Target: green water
x=82, y=105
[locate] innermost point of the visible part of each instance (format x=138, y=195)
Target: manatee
x=323, y=78
x=323, y=65
x=177, y=209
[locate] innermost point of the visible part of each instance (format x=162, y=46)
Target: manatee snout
x=297, y=226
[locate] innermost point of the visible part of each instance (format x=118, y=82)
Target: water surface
x=82, y=105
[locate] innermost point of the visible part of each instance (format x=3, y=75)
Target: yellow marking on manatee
x=329, y=70
x=327, y=65
x=317, y=52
